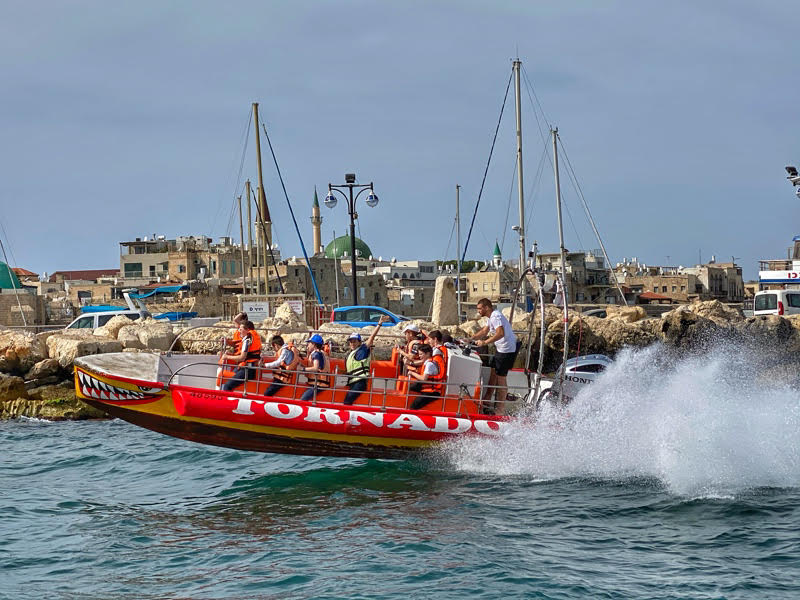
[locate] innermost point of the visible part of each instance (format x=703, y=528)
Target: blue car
x=361, y=316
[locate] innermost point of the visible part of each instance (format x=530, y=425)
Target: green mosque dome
x=341, y=246
x=9, y=280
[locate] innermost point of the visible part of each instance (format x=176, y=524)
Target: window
x=363, y=293
x=373, y=316
x=793, y=300
x=485, y=286
x=377, y=298
x=345, y=292
x=181, y=268
x=674, y=288
x=152, y=269
x=297, y=272
x=224, y=267
x=83, y=323
x=766, y=302
x=474, y=287
x=664, y=288
x=683, y=288
x=494, y=286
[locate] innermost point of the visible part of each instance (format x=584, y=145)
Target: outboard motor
x=577, y=374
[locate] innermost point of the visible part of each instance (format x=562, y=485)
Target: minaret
x=316, y=224
x=497, y=258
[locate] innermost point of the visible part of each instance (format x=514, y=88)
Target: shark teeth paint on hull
x=99, y=390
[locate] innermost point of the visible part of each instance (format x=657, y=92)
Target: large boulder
x=205, y=340
x=627, y=314
x=44, y=369
x=19, y=351
x=112, y=327
x=155, y=336
x=445, y=305
x=683, y=328
x=66, y=346
x=716, y=311
x=12, y=387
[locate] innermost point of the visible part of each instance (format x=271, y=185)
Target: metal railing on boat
x=481, y=399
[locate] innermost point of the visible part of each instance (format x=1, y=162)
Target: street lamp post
x=372, y=201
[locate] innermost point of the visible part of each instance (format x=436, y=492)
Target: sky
x=124, y=120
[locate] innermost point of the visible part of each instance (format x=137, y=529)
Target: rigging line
x=269, y=247
x=246, y=136
x=291, y=211
x=7, y=239
x=449, y=240
x=508, y=204
x=577, y=185
x=486, y=170
x=531, y=90
x=13, y=284
x=537, y=180
x=528, y=88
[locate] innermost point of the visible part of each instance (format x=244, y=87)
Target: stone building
x=710, y=281
x=588, y=278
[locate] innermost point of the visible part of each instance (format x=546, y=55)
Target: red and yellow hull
x=379, y=425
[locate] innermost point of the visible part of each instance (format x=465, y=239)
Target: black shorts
x=503, y=361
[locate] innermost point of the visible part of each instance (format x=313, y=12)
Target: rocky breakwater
x=36, y=371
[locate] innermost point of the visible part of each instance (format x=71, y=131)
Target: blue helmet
x=316, y=338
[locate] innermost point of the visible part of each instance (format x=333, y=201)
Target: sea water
x=671, y=477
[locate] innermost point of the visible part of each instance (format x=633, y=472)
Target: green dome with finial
x=341, y=246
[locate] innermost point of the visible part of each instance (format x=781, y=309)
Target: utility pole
x=249, y=240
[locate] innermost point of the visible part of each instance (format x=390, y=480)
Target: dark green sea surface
x=107, y=510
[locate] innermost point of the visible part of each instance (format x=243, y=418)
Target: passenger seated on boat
x=232, y=343
x=429, y=379
x=317, y=369
x=408, y=352
x=436, y=341
x=284, y=366
x=247, y=358
x=358, y=362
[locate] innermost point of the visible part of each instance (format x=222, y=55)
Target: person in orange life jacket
x=499, y=332
x=286, y=360
x=233, y=341
x=358, y=362
x=428, y=379
x=317, y=368
x=247, y=358
x=411, y=359
x=436, y=341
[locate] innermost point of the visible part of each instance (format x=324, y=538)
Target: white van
x=98, y=319
x=777, y=302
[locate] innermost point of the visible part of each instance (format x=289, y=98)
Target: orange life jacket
x=237, y=341
x=319, y=378
x=433, y=382
x=254, y=351
x=285, y=372
x=445, y=355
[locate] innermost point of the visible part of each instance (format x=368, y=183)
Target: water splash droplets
x=707, y=425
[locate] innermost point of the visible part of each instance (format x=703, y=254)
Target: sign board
x=256, y=310
x=779, y=276
x=297, y=306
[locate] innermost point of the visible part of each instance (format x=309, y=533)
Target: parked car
x=361, y=316
x=98, y=319
x=777, y=302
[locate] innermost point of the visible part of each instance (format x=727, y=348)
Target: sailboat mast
x=249, y=240
x=562, y=250
x=458, y=253
x=241, y=247
x=520, y=188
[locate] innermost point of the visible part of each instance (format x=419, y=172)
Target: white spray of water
x=704, y=426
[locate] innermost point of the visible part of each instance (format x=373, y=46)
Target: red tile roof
x=653, y=296
x=24, y=272
x=87, y=275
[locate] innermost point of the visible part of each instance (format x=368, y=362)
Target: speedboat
x=175, y=394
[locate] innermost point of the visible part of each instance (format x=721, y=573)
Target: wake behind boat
x=174, y=394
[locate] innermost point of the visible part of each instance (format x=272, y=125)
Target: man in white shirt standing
x=499, y=332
